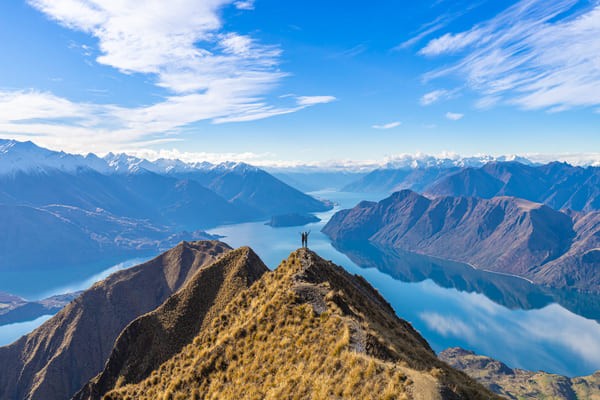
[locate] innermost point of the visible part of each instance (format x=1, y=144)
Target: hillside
x=72, y=237
x=502, y=234
x=520, y=384
x=558, y=185
x=98, y=210
x=60, y=356
x=388, y=180
x=308, y=329
x=253, y=188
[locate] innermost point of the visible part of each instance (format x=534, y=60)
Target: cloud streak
x=536, y=55
x=389, y=125
x=208, y=74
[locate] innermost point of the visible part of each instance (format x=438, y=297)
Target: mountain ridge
x=56, y=359
x=311, y=329
x=501, y=234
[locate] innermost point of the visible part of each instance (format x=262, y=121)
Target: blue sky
x=307, y=81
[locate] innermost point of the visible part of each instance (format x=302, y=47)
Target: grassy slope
x=305, y=330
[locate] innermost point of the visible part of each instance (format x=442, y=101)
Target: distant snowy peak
x=27, y=157
x=419, y=161
x=238, y=167
x=125, y=164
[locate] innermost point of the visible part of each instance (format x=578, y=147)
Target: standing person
x=303, y=235
x=306, y=239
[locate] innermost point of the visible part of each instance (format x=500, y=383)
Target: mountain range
x=501, y=234
x=112, y=207
x=559, y=185
x=203, y=319
x=516, y=384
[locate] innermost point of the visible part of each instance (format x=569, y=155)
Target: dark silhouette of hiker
x=304, y=239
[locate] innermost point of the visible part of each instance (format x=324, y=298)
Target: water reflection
x=509, y=291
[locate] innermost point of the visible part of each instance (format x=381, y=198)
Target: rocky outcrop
x=519, y=384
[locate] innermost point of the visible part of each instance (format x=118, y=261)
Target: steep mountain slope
x=519, y=384
x=68, y=236
x=558, y=185
x=502, y=234
x=308, y=329
x=252, y=187
x=190, y=196
x=155, y=337
x=59, y=357
x=144, y=195
x=388, y=180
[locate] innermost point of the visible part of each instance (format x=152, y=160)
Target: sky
x=302, y=82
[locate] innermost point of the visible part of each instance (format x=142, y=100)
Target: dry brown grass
x=269, y=343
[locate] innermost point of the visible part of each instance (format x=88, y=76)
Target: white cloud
x=536, y=54
x=56, y=122
x=454, y=116
x=244, y=4
x=389, y=125
x=435, y=96
x=312, y=100
x=211, y=74
x=450, y=43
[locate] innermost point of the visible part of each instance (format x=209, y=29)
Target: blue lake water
x=11, y=332
x=502, y=317
x=449, y=303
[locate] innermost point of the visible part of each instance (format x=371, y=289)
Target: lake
x=449, y=303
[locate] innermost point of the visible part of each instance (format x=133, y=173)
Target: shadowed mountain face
x=59, y=357
x=558, y=185
x=120, y=206
x=501, y=234
x=307, y=328
x=392, y=180
x=519, y=384
x=252, y=188
x=155, y=337
x=91, y=236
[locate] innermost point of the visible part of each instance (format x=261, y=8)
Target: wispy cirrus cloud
x=536, y=54
x=208, y=73
x=435, y=96
x=389, y=125
x=59, y=123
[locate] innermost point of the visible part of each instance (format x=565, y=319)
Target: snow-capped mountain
x=420, y=161
x=27, y=157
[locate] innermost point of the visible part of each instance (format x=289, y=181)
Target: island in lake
x=293, y=219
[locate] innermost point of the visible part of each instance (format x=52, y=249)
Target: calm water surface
x=451, y=304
